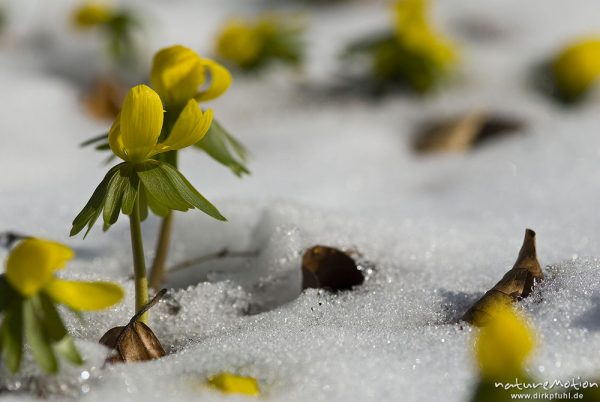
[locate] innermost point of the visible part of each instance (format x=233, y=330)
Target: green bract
x=35, y=320
x=158, y=185
x=220, y=145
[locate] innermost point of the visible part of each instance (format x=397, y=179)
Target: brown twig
x=224, y=253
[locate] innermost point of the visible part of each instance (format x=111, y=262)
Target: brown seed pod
x=516, y=283
x=327, y=267
x=460, y=134
x=135, y=341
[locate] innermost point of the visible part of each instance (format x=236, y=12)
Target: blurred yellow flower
x=504, y=344
x=91, y=14
x=241, y=42
x=178, y=73
x=577, y=67
x=234, y=384
x=414, y=54
x=30, y=269
x=414, y=31
x=410, y=15
x=134, y=135
x=250, y=44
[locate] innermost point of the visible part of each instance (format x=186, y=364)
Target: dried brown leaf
x=135, y=341
x=327, y=267
x=514, y=285
x=462, y=133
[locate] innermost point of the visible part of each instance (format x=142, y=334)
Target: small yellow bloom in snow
x=92, y=14
x=178, y=73
x=235, y=384
x=577, y=67
x=504, y=344
x=410, y=15
x=134, y=135
x=30, y=268
x=241, y=42
x=413, y=30
x=416, y=35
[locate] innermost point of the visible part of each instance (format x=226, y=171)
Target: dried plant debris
x=515, y=285
x=135, y=341
x=462, y=133
x=328, y=267
x=104, y=98
x=478, y=28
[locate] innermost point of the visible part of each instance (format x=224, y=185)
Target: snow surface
x=434, y=232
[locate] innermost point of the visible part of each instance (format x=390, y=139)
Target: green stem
x=139, y=264
x=162, y=251
x=163, y=243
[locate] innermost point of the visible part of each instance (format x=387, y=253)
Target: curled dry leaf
x=462, y=133
x=104, y=98
x=135, y=341
x=516, y=283
x=328, y=267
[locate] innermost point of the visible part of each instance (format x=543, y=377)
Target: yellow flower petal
x=115, y=140
x=577, y=67
x=504, y=344
x=220, y=80
x=239, y=42
x=32, y=262
x=84, y=296
x=140, y=122
x=410, y=15
x=177, y=73
x=235, y=384
x=191, y=125
x=91, y=14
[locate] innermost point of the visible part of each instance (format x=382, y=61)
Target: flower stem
x=162, y=250
x=163, y=243
x=139, y=264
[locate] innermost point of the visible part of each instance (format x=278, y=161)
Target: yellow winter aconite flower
x=410, y=15
x=250, y=44
x=92, y=14
x=134, y=135
x=30, y=269
x=239, y=42
x=504, y=344
x=178, y=73
x=414, y=31
x=577, y=67
x=414, y=54
x=234, y=384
